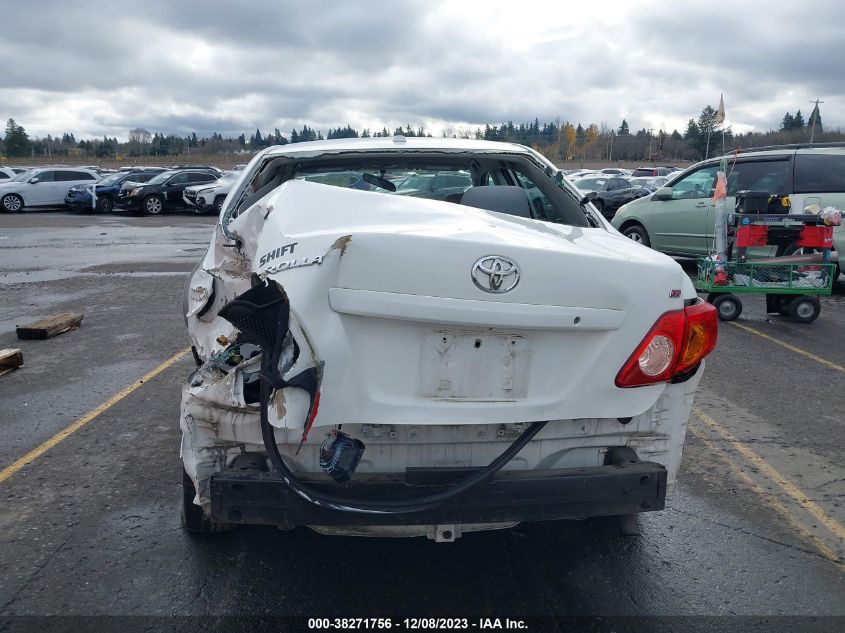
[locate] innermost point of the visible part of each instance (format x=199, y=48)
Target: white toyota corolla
x=381, y=364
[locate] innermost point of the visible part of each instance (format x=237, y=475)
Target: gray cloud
x=95, y=68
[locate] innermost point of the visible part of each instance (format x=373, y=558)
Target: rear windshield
x=436, y=184
x=819, y=173
x=434, y=177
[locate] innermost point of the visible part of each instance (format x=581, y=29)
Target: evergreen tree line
x=558, y=140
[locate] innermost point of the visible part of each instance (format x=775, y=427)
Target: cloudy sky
x=95, y=68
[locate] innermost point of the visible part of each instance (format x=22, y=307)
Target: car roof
x=396, y=143
x=836, y=147
x=65, y=168
x=182, y=170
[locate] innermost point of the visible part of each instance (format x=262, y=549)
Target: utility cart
x=790, y=289
x=792, y=285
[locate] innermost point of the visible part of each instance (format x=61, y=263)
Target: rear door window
x=179, y=179
x=819, y=173
x=70, y=176
x=772, y=176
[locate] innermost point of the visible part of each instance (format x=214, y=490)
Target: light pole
x=814, y=116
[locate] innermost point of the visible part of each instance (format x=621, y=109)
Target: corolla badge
x=495, y=273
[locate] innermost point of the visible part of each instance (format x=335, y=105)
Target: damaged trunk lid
x=428, y=312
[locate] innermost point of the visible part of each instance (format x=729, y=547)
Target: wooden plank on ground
x=50, y=326
x=10, y=359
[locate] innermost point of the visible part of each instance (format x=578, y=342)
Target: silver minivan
x=42, y=187
x=679, y=218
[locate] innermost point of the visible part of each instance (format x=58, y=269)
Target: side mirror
x=34, y=180
x=664, y=193
x=587, y=198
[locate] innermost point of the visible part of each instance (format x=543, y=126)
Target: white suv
x=44, y=187
x=207, y=197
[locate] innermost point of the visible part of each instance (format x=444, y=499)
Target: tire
x=803, y=309
x=105, y=204
x=599, y=205
x=198, y=210
x=637, y=233
x=12, y=203
x=218, y=204
x=194, y=520
x=152, y=205
x=728, y=306
x=792, y=249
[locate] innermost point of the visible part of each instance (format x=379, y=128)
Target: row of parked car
x=149, y=190
x=612, y=187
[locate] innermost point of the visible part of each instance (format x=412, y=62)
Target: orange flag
x=721, y=191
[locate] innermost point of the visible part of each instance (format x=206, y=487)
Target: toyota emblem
x=495, y=274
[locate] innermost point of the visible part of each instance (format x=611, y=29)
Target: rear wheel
x=153, y=205
x=805, y=309
x=12, y=203
x=793, y=249
x=194, y=519
x=218, y=204
x=728, y=306
x=637, y=233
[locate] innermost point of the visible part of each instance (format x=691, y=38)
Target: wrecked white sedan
x=376, y=363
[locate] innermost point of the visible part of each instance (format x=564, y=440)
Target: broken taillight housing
x=676, y=343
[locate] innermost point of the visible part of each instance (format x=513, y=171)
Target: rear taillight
x=700, y=335
x=675, y=344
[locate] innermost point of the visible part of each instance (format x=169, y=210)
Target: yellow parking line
x=770, y=471
x=797, y=350
x=770, y=501
x=77, y=424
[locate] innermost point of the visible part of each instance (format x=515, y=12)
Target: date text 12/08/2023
x=413, y=624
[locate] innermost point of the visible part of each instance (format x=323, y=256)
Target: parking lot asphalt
x=89, y=525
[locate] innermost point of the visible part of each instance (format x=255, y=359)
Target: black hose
x=391, y=506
